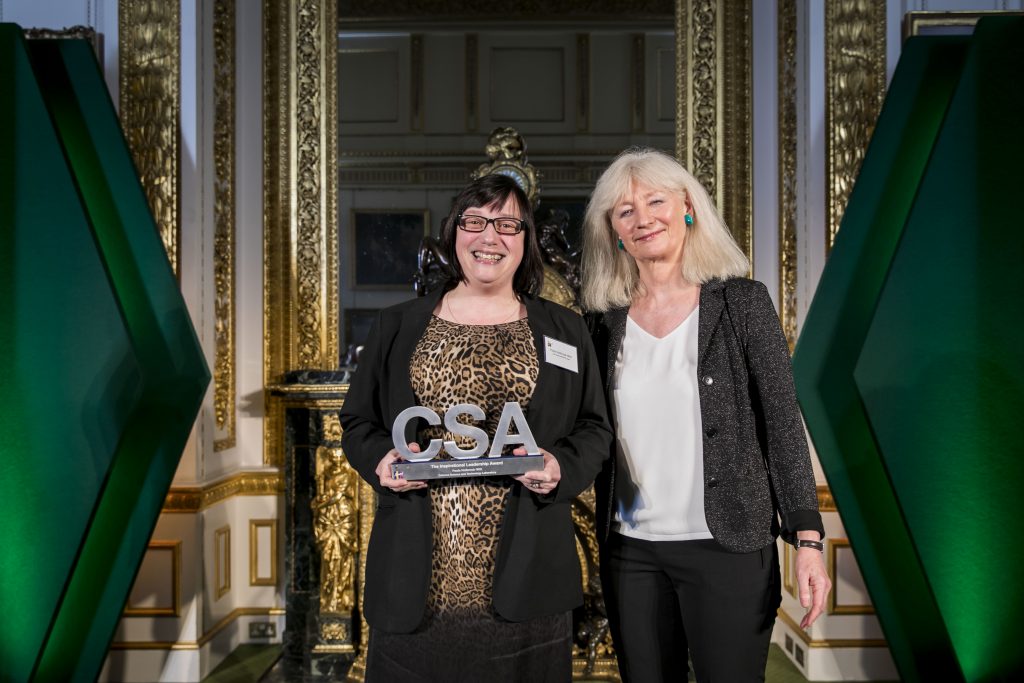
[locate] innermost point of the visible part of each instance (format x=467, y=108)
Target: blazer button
x=712, y=483
x=708, y=380
x=711, y=431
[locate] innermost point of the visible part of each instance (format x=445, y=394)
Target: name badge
x=561, y=354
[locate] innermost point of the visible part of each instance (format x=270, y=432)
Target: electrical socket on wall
x=262, y=629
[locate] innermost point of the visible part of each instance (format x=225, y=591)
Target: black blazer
x=756, y=463
x=537, y=570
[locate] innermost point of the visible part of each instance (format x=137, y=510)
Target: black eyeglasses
x=503, y=225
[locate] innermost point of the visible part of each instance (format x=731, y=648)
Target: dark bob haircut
x=494, y=190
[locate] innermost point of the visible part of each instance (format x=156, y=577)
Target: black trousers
x=667, y=598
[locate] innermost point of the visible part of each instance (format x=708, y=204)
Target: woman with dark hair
x=475, y=579
x=711, y=461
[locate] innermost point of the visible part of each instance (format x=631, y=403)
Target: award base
x=471, y=467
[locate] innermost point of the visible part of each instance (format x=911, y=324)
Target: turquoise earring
x=622, y=247
x=688, y=219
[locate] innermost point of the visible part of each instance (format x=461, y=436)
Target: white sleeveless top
x=659, y=483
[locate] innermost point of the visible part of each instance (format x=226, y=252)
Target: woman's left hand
x=813, y=583
x=543, y=481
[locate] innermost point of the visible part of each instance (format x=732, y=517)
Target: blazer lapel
x=540, y=326
x=712, y=302
x=412, y=326
x=615, y=322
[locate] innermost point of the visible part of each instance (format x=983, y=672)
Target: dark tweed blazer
x=756, y=463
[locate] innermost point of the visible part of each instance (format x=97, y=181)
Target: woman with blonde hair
x=711, y=462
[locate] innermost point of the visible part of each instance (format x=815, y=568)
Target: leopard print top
x=485, y=365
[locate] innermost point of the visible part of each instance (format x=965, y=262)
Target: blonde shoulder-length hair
x=610, y=275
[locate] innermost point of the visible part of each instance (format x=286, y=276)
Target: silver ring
x=536, y=484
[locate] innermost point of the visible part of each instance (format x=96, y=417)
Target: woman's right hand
x=397, y=485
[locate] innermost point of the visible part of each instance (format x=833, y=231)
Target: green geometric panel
x=941, y=373
x=908, y=366
x=102, y=374
x=74, y=374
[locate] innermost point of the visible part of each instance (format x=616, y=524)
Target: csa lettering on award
x=466, y=462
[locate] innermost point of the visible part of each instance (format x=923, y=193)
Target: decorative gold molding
x=735, y=138
x=682, y=81
x=155, y=645
x=920, y=21
x=276, y=181
x=300, y=230
x=224, y=223
x=702, y=75
x=174, y=610
x=300, y=195
x=148, y=59
x=206, y=637
x=833, y=608
x=713, y=100
x=855, y=88
x=582, y=82
x=469, y=10
x=367, y=510
x=825, y=501
x=273, y=431
x=335, y=525
x=605, y=669
x=349, y=156
x=786, y=36
x=827, y=642
x=334, y=631
x=254, y=576
x=788, y=570
x=222, y=561
x=193, y=499
x=77, y=32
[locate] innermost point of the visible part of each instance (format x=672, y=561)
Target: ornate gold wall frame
x=924, y=21
x=221, y=561
x=834, y=606
x=786, y=73
x=77, y=32
x=224, y=223
x=805, y=637
x=855, y=88
x=173, y=609
x=255, y=578
x=149, y=56
x=713, y=105
x=300, y=232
